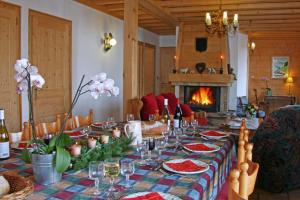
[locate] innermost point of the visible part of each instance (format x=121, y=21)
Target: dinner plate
x=197, y=162
x=75, y=133
x=163, y=195
x=213, y=146
x=98, y=124
x=218, y=135
x=21, y=146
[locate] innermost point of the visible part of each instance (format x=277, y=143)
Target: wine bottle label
x=169, y=122
x=1, y=114
x=4, y=150
x=176, y=123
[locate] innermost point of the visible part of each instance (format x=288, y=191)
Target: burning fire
x=203, y=96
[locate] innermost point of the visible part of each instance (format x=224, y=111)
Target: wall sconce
x=109, y=41
x=252, y=46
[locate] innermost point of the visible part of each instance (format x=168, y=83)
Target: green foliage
x=115, y=148
x=62, y=159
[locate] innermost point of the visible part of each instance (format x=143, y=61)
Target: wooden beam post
x=130, y=68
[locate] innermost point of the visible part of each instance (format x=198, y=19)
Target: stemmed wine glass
x=96, y=173
x=184, y=125
x=129, y=117
x=142, y=148
x=177, y=133
x=110, y=122
x=111, y=170
x=166, y=135
x=151, y=143
x=194, y=124
x=159, y=146
x=87, y=130
x=151, y=117
x=127, y=169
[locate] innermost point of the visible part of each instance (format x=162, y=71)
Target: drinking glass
x=159, y=146
x=143, y=147
x=151, y=143
x=127, y=169
x=151, y=117
x=194, y=124
x=166, y=135
x=111, y=170
x=87, y=130
x=178, y=134
x=129, y=117
x=110, y=122
x=96, y=172
x=184, y=125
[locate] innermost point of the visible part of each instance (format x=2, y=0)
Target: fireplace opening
x=206, y=98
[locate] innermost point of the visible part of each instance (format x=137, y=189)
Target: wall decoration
x=280, y=66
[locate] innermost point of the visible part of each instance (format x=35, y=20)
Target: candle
x=225, y=18
x=208, y=19
x=116, y=133
x=235, y=20
x=104, y=139
x=222, y=58
x=92, y=143
x=75, y=149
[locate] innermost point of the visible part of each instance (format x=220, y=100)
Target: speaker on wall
x=201, y=44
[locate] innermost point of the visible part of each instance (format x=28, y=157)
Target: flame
x=203, y=96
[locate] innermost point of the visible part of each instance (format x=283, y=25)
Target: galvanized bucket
x=44, y=169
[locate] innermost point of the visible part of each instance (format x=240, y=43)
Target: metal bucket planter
x=44, y=169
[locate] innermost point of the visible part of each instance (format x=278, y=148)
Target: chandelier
x=218, y=22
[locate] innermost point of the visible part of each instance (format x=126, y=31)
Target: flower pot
x=44, y=169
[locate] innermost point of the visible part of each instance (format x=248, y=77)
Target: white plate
x=197, y=162
x=214, y=137
x=16, y=146
x=75, y=136
x=216, y=147
x=98, y=124
x=164, y=195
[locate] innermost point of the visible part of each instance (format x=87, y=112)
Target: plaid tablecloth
x=202, y=186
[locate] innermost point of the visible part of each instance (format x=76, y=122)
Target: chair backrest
x=135, y=107
x=242, y=182
x=80, y=121
x=27, y=131
x=50, y=127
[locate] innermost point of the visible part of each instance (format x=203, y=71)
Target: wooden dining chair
x=80, y=121
x=50, y=127
x=69, y=122
x=27, y=131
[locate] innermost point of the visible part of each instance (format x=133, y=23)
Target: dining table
x=206, y=185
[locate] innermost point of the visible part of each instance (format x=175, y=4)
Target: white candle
x=235, y=20
x=225, y=18
x=208, y=19
x=116, y=133
x=104, y=139
x=76, y=149
x=92, y=143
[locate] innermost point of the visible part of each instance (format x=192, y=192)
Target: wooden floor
x=260, y=194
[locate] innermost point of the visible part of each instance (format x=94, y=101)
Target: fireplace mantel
x=201, y=79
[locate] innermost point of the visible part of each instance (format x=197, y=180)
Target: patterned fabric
x=77, y=185
x=277, y=150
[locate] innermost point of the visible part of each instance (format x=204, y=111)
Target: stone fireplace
x=207, y=92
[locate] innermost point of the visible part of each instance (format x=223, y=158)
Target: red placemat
x=150, y=196
x=198, y=147
x=186, y=166
x=213, y=133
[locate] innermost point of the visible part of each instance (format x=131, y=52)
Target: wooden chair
x=80, y=121
x=27, y=132
x=135, y=107
x=50, y=127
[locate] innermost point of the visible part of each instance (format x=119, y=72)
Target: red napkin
x=23, y=145
x=97, y=124
x=150, y=196
x=73, y=134
x=202, y=121
x=186, y=166
x=198, y=147
x=213, y=133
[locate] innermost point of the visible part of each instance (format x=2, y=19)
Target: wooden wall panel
x=189, y=57
x=166, y=67
x=260, y=62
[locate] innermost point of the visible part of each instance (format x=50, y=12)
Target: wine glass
x=194, y=124
x=129, y=117
x=184, y=125
x=87, y=130
x=159, y=146
x=177, y=133
x=151, y=143
x=96, y=172
x=166, y=135
x=111, y=170
x=110, y=122
x=151, y=117
x=143, y=148
x=127, y=169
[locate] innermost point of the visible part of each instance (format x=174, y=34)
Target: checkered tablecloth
x=77, y=185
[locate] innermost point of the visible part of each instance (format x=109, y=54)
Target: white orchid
x=101, y=85
x=37, y=81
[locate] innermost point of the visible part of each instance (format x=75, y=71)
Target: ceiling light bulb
x=113, y=42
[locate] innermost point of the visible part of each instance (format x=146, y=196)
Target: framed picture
x=280, y=67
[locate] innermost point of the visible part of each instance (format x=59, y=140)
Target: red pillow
x=186, y=110
x=160, y=103
x=149, y=106
x=172, y=101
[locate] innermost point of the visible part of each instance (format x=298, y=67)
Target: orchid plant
x=27, y=77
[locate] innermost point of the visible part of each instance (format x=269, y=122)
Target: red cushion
x=149, y=106
x=160, y=103
x=186, y=110
x=172, y=101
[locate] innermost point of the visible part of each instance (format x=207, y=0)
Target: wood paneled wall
x=260, y=62
x=188, y=56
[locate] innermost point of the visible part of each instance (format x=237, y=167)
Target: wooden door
x=50, y=51
x=166, y=67
x=9, y=53
x=146, y=68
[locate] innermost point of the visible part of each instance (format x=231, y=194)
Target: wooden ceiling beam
x=159, y=12
x=109, y=2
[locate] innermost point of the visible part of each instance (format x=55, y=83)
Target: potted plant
x=50, y=161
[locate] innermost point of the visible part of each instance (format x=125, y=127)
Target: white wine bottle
x=165, y=116
x=4, y=140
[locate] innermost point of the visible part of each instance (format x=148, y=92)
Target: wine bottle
x=178, y=115
x=165, y=118
x=4, y=141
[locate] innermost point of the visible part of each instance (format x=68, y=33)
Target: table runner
x=76, y=185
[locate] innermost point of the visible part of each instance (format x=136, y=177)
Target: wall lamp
x=109, y=41
x=252, y=46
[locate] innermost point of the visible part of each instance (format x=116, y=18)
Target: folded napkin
x=186, y=166
x=23, y=145
x=198, y=147
x=74, y=134
x=149, y=196
x=213, y=133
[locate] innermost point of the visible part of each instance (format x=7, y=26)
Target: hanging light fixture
x=218, y=22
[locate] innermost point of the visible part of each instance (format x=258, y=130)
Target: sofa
x=277, y=150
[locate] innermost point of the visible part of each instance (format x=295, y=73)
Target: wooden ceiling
x=162, y=16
